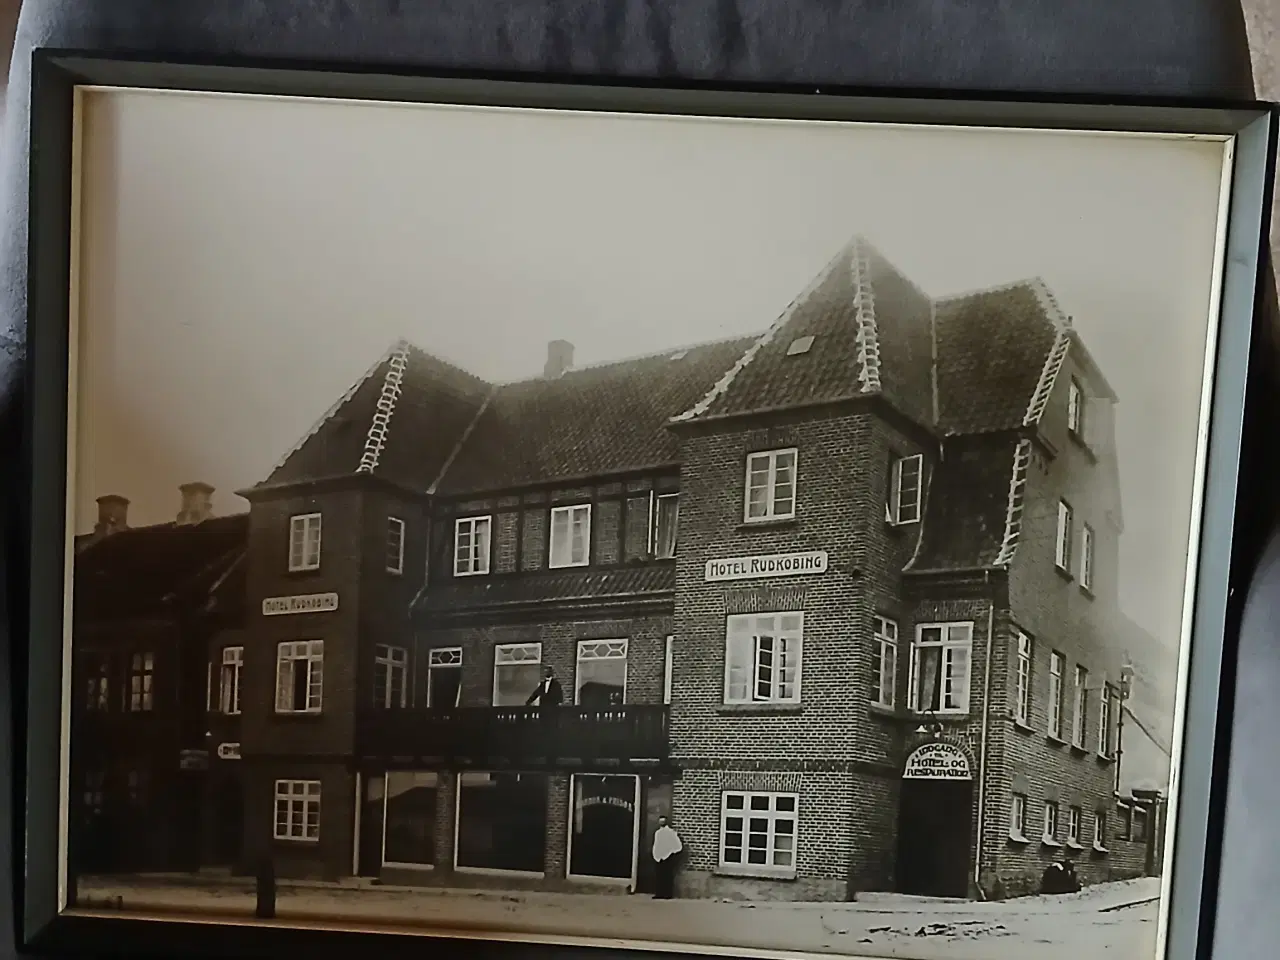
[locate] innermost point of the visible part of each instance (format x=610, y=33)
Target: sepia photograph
x=715, y=534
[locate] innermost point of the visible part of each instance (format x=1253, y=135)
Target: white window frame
x=395, y=545
x=289, y=654
x=1080, y=707
x=1075, y=407
x=392, y=659
x=505, y=649
x=300, y=798
x=674, y=500
x=1086, y=557
x=1024, y=658
x=1062, y=537
x=745, y=630
x=905, y=512
x=1050, y=835
x=885, y=662
x=947, y=644
x=570, y=512
x=1100, y=831
x=475, y=563
x=668, y=662
x=601, y=649
x=444, y=658
x=769, y=459
x=305, y=536
x=1057, y=666
x=1018, y=817
x=229, y=678
x=1075, y=821
x=772, y=816
x=142, y=681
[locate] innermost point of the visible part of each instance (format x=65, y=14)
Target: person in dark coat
x=1060, y=876
x=549, y=693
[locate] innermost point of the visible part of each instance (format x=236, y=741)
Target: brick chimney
x=113, y=515
x=197, y=503
x=559, y=359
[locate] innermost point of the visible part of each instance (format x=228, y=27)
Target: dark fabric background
x=1143, y=47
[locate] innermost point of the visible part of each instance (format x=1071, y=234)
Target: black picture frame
x=42, y=506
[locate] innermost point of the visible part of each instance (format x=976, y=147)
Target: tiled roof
x=549, y=586
x=966, y=505
x=143, y=571
x=589, y=422
x=401, y=421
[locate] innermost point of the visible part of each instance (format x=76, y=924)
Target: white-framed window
x=570, y=536
x=666, y=517
x=299, y=676
x=601, y=679
x=1074, y=816
x=142, y=668
x=1050, y=834
x=517, y=671
x=906, y=488
x=471, y=539
x=99, y=682
x=1022, y=691
x=1057, y=665
x=444, y=677
x=1062, y=539
x=304, y=542
x=1100, y=830
x=758, y=832
x=1018, y=817
x=395, y=545
x=229, y=680
x=1108, y=718
x=1080, y=719
x=770, y=485
x=762, y=658
x=668, y=661
x=1075, y=407
x=884, y=662
x=1139, y=831
x=390, y=676
x=940, y=665
x=297, y=810
x=1086, y=557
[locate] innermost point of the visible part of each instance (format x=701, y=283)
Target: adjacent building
x=838, y=599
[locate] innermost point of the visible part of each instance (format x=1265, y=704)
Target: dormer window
x=1075, y=408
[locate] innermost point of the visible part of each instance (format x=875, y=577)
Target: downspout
x=982, y=743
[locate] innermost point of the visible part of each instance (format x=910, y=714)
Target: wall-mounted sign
x=937, y=761
x=306, y=603
x=771, y=565
x=228, y=751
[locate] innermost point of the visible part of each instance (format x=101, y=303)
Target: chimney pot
x=113, y=514
x=197, y=503
x=559, y=359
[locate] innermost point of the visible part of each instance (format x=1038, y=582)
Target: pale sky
x=245, y=260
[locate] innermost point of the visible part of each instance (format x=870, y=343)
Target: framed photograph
x=558, y=517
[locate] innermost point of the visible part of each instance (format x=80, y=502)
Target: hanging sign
x=228, y=751
x=937, y=761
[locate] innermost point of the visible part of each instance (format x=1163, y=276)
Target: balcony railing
x=634, y=734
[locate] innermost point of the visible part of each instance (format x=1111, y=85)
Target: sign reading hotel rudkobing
x=937, y=761
x=770, y=565
x=306, y=603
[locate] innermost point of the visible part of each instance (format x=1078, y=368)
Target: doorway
x=935, y=820
x=603, y=827
x=228, y=827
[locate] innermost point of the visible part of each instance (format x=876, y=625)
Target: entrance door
x=603, y=827
x=372, y=804
x=228, y=825
x=935, y=819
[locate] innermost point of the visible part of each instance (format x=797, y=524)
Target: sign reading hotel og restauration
x=306, y=603
x=770, y=565
x=937, y=761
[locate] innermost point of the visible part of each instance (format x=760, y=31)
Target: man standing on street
x=666, y=845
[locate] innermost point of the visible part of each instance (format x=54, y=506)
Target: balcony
x=612, y=737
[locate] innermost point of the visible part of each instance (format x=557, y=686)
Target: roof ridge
x=651, y=355
x=337, y=405
x=1031, y=281
x=720, y=386
x=380, y=422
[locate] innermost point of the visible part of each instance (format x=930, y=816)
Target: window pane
x=502, y=821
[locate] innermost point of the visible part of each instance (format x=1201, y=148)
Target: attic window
x=679, y=355
x=799, y=345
